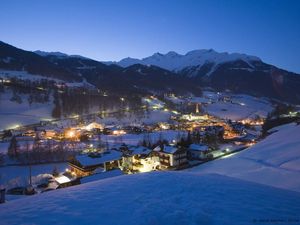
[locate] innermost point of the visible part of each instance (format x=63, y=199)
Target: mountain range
x=170, y=72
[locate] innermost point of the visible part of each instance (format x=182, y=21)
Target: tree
x=2, y=159
x=13, y=148
x=55, y=172
x=56, y=112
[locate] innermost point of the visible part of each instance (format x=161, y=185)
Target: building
x=87, y=164
x=171, y=156
x=137, y=159
x=198, y=152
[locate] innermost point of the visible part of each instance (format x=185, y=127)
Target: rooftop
x=86, y=160
x=198, y=147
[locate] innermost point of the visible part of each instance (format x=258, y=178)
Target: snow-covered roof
x=198, y=147
x=62, y=179
x=157, y=149
x=170, y=149
x=86, y=160
x=138, y=150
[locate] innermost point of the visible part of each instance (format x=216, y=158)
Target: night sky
x=111, y=30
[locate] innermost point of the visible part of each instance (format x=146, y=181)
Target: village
x=96, y=150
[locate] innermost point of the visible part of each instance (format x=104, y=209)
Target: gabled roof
x=86, y=160
x=139, y=150
x=198, y=147
x=170, y=149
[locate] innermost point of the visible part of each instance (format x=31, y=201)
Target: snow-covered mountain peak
x=175, y=62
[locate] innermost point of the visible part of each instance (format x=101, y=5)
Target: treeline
x=35, y=91
x=83, y=102
x=276, y=118
x=35, y=153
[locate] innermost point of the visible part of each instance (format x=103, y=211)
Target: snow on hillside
x=135, y=139
x=16, y=114
x=157, y=198
x=175, y=61
x=24, y=75
x=147, y=118
x=274, y=161
x=12, y=175
x=237, y=107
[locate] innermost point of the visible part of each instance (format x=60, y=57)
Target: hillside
x=274, y=161
x=157, y=198
x=138, y=79
x=259, y=185
x=12, y=58
x=239, y=73
x=160, y=73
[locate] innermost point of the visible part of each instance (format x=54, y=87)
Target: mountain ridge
x=176, y=62
x=236, y=72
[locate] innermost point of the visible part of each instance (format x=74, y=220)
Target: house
x=94, y=126
x=171, y=156
x=87, y=164
x=135, y=159
x=198, y=151
x=248, y=138
x=65, y=180
x=113, y=130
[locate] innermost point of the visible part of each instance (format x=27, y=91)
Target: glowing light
x=14, y=127
x=71, y=134
x=227, y=156
x=62, y=179
x=118, y=132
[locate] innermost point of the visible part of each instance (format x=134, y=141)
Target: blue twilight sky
x=114, y=29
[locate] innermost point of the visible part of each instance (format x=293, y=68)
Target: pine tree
x=56, y=112
x=55, y=172
x=13, y=148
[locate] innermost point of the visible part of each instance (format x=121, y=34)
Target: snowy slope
x=156, y=198
x=13, y=114
x=240, y=107
x=174, y=61
x=274, y=161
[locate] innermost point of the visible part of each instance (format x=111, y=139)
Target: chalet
x=87, y=164
x=134, y=158
x=94, y=126
x=246, y=139
x=113, y=130
x=171, y=156
x=198, y=151
x=64, y=180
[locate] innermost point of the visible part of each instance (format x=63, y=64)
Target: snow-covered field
x=150, y=118
x=274, y=161
x=13, y=113
x=20, y=174
x=134, y=139
x=166, y=198
x=239, y=107
x=256, y=186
